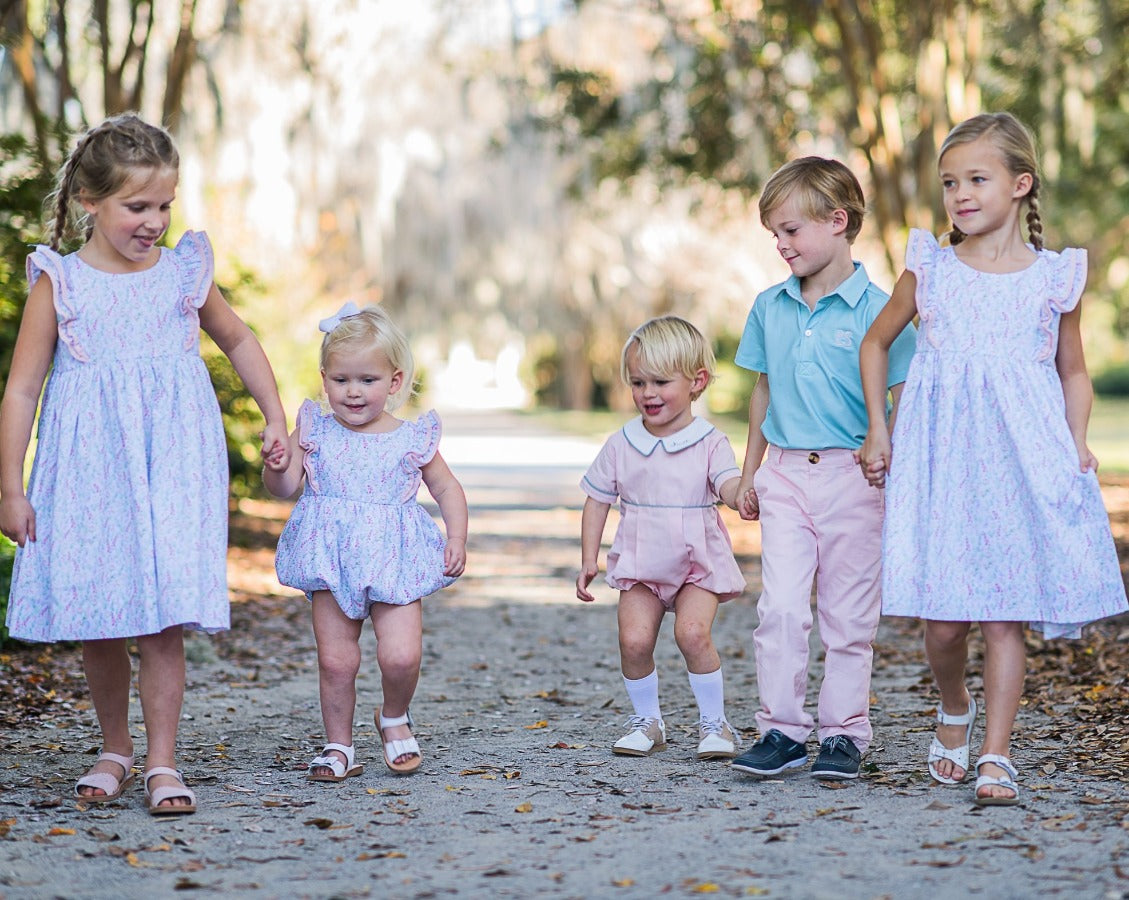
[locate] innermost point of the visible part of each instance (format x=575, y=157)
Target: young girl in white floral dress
x=993, y=511
x=358, y=542
x=123, y=531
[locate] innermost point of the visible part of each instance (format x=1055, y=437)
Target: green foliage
x=1113, y=381
x=729, y=392
x=7, y=557
x=24, y=183
x=242, y=420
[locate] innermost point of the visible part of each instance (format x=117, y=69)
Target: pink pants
x=819, y=518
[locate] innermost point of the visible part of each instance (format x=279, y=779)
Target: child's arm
x=449, y=495
x=746, y=500
x=729, y=491
x=240, y=345
x=1077, y=389
x=31, y=358
x=284, y=478
x=592, y=522
x=874, y=363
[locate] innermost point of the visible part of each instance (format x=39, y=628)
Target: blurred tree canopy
x=597, y=165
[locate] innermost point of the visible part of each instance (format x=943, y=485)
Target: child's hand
x=587, y=573
x=749, y=505
x=17, y=519
x=874, y=458
x=454, y=557
x=1087, y=462
x=276, y=447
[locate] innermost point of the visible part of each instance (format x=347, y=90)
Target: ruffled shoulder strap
x=1068, y=277
x=921, y=248
x=426, y=431
x=196, y=265
x=45, y=261
x=308, y=414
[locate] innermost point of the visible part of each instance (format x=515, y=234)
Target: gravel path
x=519, y=795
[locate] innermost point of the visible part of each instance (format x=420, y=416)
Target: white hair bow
x=345, y=312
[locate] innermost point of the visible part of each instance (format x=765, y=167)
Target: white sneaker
x=718, y=739
x=647, y=736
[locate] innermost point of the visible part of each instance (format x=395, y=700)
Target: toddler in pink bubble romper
x=671, y=550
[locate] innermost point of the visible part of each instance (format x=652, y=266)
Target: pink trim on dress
x=306, y=414
x=44, y=260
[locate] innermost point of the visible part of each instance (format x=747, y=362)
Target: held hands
x=17, y=519
x=874, y=458
x=748, y=504
x=454, y=557
x=588, y=571
x=276, y=447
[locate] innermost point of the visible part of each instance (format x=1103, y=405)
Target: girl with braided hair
x=993, y=510
x=122, y=533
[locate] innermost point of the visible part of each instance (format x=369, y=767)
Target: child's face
x=979, y=193
x=358, y=384
x=808, y=245
x=128, y=223
x=663, y=400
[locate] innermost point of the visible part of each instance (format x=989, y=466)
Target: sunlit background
x=521, y=182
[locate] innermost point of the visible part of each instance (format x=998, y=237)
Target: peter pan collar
x=642, y=440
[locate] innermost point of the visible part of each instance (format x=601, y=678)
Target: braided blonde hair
x=1014, y=141
x=104, y=159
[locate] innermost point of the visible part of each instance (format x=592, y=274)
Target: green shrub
x=1113, y=381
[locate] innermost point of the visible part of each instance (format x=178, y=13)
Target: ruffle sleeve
x=306, y=415
x=921, y=255
x=45, y=261
x=425, y=442
x=196, y=265
x=1068, y=278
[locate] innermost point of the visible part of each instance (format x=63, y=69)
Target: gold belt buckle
x=813, y=458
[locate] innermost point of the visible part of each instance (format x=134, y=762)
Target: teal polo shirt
x=811, y=358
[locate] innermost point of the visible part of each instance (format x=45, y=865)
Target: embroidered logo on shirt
x=844, y=338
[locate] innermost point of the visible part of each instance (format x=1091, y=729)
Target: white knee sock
x=709, y=691
x=644, y=695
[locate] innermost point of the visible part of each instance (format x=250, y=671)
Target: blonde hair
x=669, y=345
x=1017, y=147
x=820, y=186
x=373, y=329
x=104, y=159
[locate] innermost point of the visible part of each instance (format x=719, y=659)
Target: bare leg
x=399, y=651
x=1005, y=668
x=946, y=648
x=108, y=675
x=640, y=615
x=339, y=660
x=161, y=685
x=694, y=612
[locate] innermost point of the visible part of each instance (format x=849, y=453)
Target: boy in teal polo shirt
x=818, y=515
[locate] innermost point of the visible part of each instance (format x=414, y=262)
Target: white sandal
x=157, y=796
x=104, y=781
x=394, y=749
x=956, y=755
x=340, y=770
x=1007, y=781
